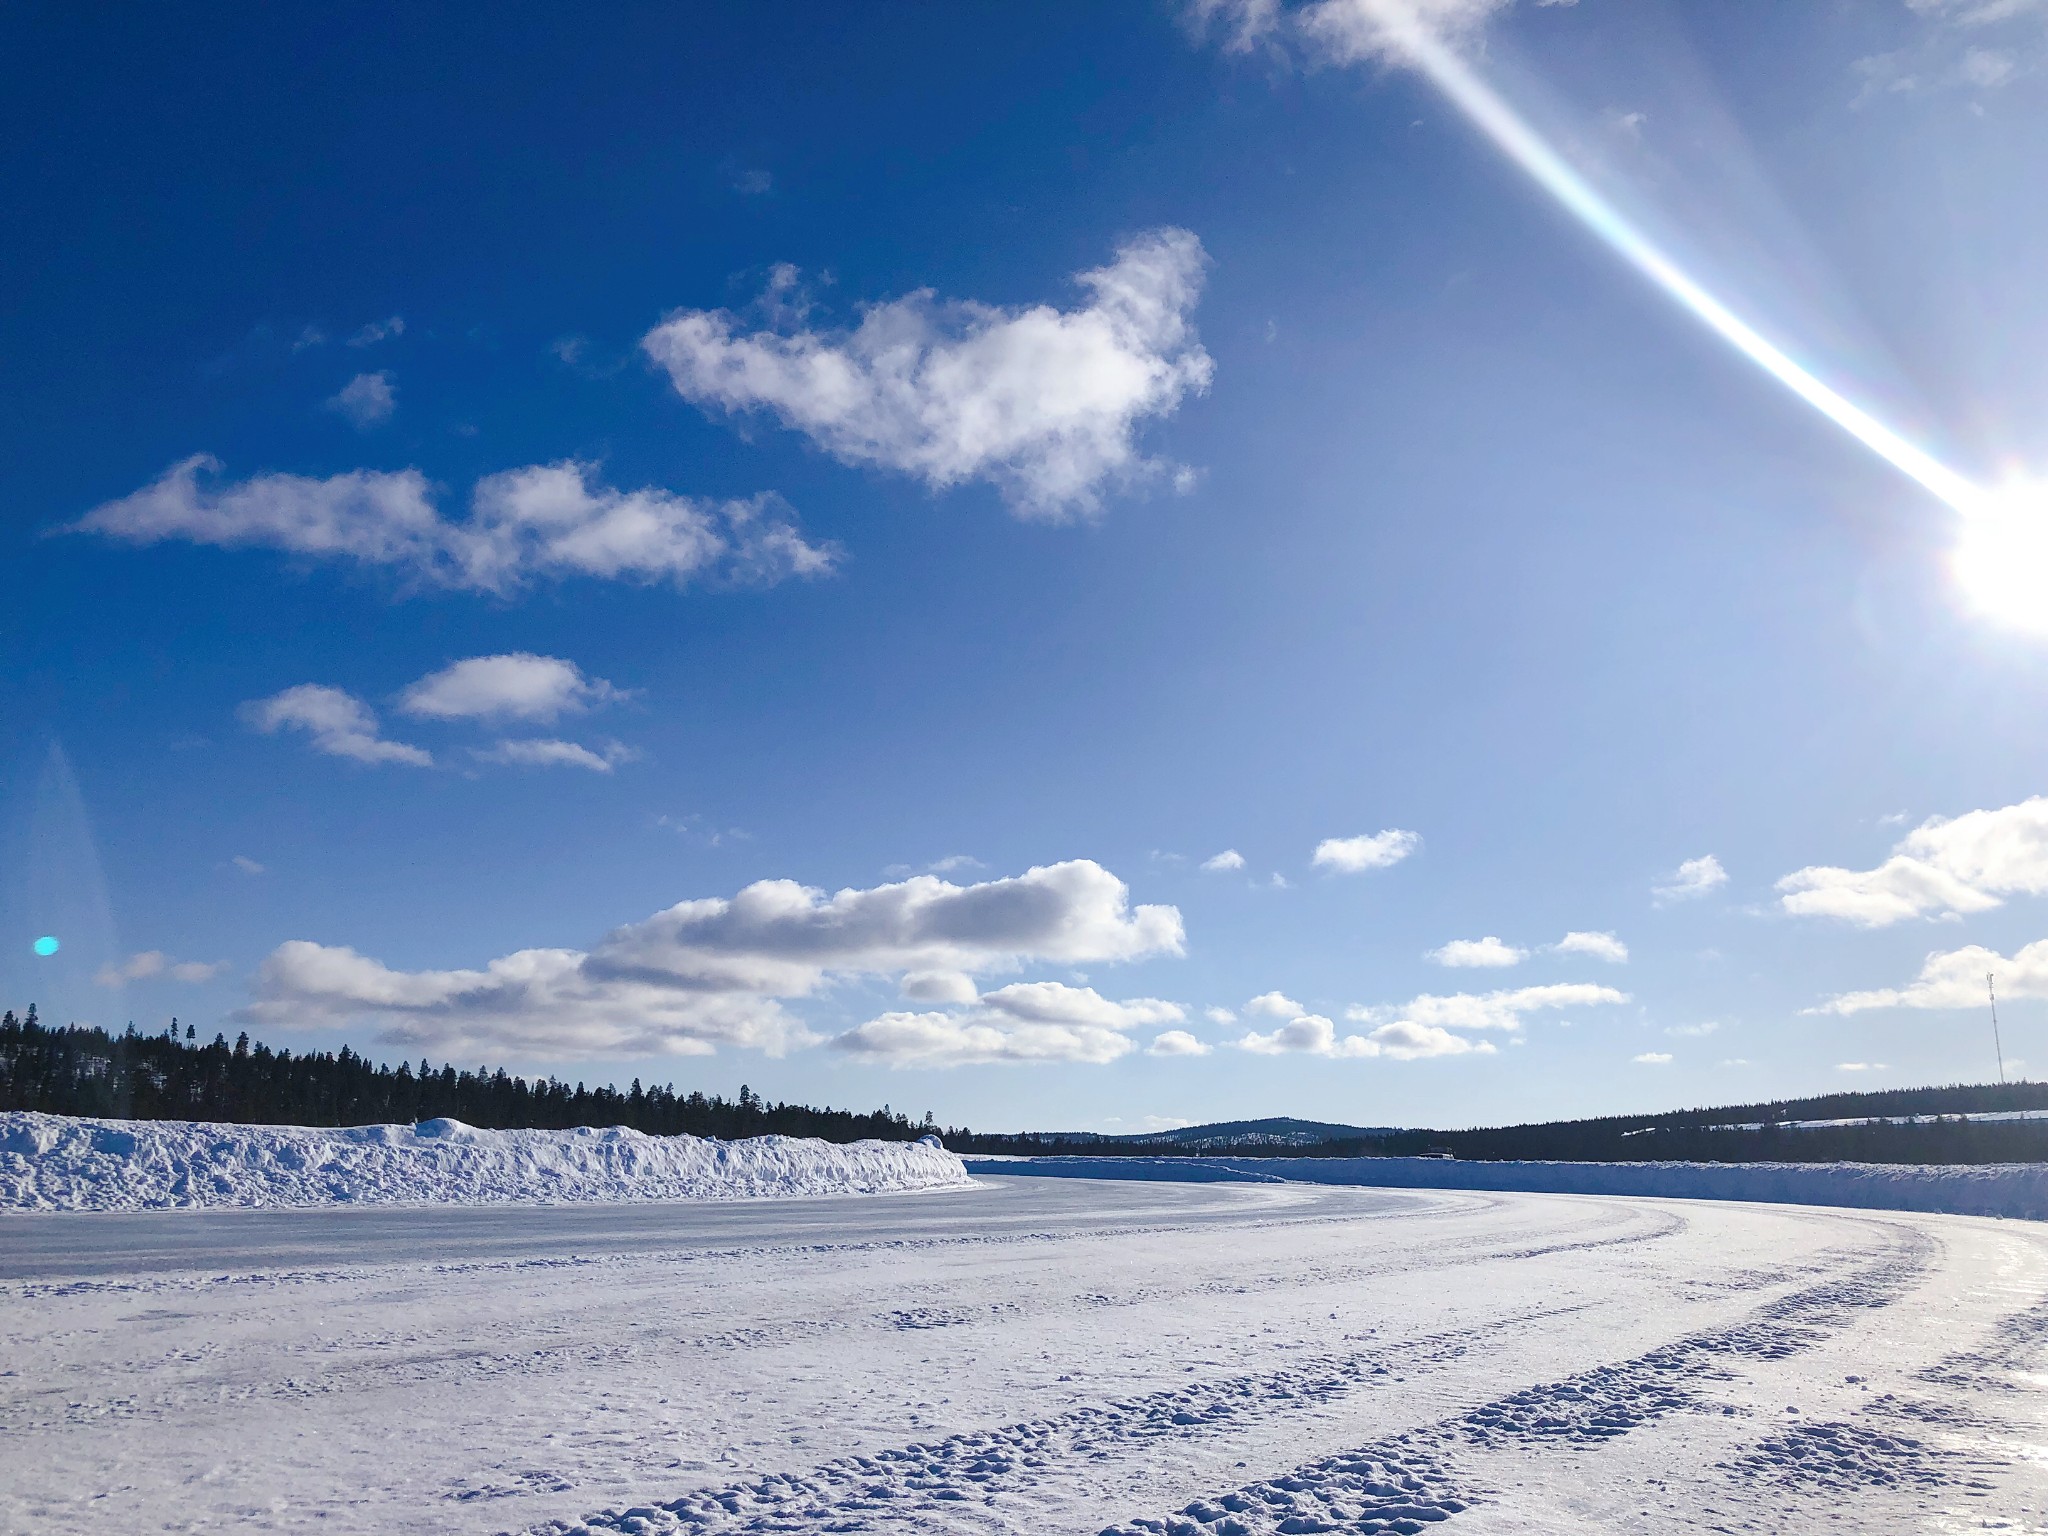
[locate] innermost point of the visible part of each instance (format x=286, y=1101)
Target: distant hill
x=1279, y=1131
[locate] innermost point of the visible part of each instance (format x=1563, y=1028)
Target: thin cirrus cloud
x=153, y=963
x=720, y=971
x=544, y=520
x=1355, y=855
x=1042, y=403
x=1343, y=31
x=1025, y=1022
x=1693, y=878
x=1488, y=953
x=1942, y=868
x=516, y=686
x=334, y=722
x=553, y=752
x=365, y=401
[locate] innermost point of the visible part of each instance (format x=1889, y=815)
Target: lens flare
x=1513, y=135
x=2001, y=560
x=46, y=946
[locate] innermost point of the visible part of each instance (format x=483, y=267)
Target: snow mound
x=57, y=1163
x=1977, y=1189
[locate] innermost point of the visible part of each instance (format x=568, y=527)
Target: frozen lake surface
x=1030, y=1356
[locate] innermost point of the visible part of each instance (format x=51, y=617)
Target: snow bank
x=56, y=1163
x=1989, y=1189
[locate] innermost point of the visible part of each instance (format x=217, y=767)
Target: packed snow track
x=1029, y=1356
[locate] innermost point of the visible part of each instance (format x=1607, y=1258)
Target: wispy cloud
x=552, y=752
x=1042, y=403
x=545, y=520
x=378, y=330
x=1693, y=878
x=1596, y=946
x=366, y=401
x=154, y=963
x=1225, y=862
x=337, y=723
x=1378, y=850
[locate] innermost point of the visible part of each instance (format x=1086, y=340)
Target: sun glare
x=2001, y=560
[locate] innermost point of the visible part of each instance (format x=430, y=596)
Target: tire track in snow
x=1400, y=1485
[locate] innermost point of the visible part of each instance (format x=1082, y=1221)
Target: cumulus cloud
x=337, y=723
x=1177, y=1042
x=1596, y=946
x=1695, y=877
x=1652, y=1059
x=1043, y=403
x=1223, y=863
x=553, y=752
x=1219, y=1015
x=515, y=686
x=545, y=520
x=1313, y=1034
x=1956, y=978
x=1379, y=850
x=718, y=971
x=1503, y=1010
x=1488, y=953
x=365, y=401
x=1942, y=868
x=152, y=963
x=1035, y=1021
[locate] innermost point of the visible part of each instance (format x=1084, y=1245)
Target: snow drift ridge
x=58, y=1163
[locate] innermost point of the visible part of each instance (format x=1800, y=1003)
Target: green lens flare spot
x=47, y=946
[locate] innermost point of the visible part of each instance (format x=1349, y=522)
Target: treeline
x=1677, y=1136
x=74, y=1070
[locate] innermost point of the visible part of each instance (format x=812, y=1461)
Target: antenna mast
x=1991, y=988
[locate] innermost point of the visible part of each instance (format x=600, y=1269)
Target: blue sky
x=470, y=491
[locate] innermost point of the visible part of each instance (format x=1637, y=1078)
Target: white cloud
x=515, y=686
x=365, y=400
x=1229, y=859
x=1652, y=1059
x=1379, y=850
x=1177, y=1042
x=938, y=987
x=1346, y=31
x=717, y=971
x=1695, y=877
x=1956, y=978
x=1942, y=868
x=378, y=330
x=552, y=752
x=1503, y=1010
x=152, y=963
x=246, y=865
x=1488, y=953
x=1597, y=946
x=1978, y=45
x=338, y=723
x=1044, y=404
x=1035, y=1021
x=1311, y=1034
x=1219, y=1015
x=1692, y=1031
x=1862, y=1066
x=550, y=520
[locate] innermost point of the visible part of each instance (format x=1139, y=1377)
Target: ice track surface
x=1032, y=1356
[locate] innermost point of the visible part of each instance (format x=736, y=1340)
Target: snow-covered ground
x=1032, y=1355
x=1986, y=1189
x=58, y=1163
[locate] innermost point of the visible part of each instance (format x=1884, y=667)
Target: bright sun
x=2001, y=561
